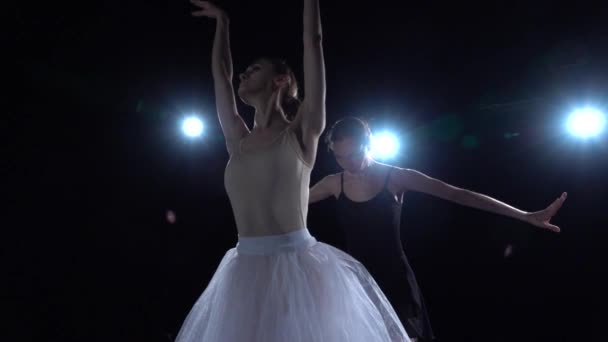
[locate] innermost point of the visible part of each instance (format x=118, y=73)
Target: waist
x=273, y=244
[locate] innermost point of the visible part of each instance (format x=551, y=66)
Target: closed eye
x=251, y=70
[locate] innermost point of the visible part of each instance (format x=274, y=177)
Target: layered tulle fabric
x=291, y=288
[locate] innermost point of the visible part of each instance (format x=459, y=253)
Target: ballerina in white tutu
x=279, y=283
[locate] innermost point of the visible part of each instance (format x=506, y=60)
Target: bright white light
x=192, y=127
x=384, y=145
x=586, y=122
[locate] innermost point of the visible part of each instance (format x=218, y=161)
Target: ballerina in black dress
x=369, y=200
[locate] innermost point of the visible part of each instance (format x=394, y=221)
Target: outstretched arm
x=311, y=115
x=417, y=181
x=322, y=190
x=232, y=124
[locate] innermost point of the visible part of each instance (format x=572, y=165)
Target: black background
x=94, y=157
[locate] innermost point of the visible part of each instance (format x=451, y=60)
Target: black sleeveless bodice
x=373, y=236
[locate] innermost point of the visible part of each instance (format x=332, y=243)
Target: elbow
x=317, y=125
x=220, y=72
x=320, y=127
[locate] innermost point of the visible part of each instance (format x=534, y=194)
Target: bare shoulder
x=384, y=169
x=399, y=171
x=393, y=175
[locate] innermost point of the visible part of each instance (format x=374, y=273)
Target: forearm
x=316, y=194
x=475, y=200
x=312, y=22
x=221, y=58
x=314, y=70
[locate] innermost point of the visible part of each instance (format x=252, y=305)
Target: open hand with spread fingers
x=543, y=217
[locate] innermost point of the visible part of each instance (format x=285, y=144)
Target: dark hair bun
x=349, y=127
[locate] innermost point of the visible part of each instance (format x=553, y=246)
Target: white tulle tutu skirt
x=291, y=288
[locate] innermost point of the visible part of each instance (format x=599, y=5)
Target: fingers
x=558, y=203
x=199, y=3
x=562, y=197
x=552, y=227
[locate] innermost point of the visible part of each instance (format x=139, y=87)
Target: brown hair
x=349, y=127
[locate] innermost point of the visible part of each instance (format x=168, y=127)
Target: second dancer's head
x=349, y=139
x=265, y=76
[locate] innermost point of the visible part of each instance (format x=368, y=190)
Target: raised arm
x=311, y=116
x=417, y=181
x=232, y=124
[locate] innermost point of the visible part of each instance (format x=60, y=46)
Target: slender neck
x=268, y=114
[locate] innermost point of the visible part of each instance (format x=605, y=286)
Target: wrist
x=222, y=18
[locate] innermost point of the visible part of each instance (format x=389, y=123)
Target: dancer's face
x=256, y=80
x=350, y=154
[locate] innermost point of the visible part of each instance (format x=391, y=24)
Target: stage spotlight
x=192, y=127
x=384, y=145
x=586, y=122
